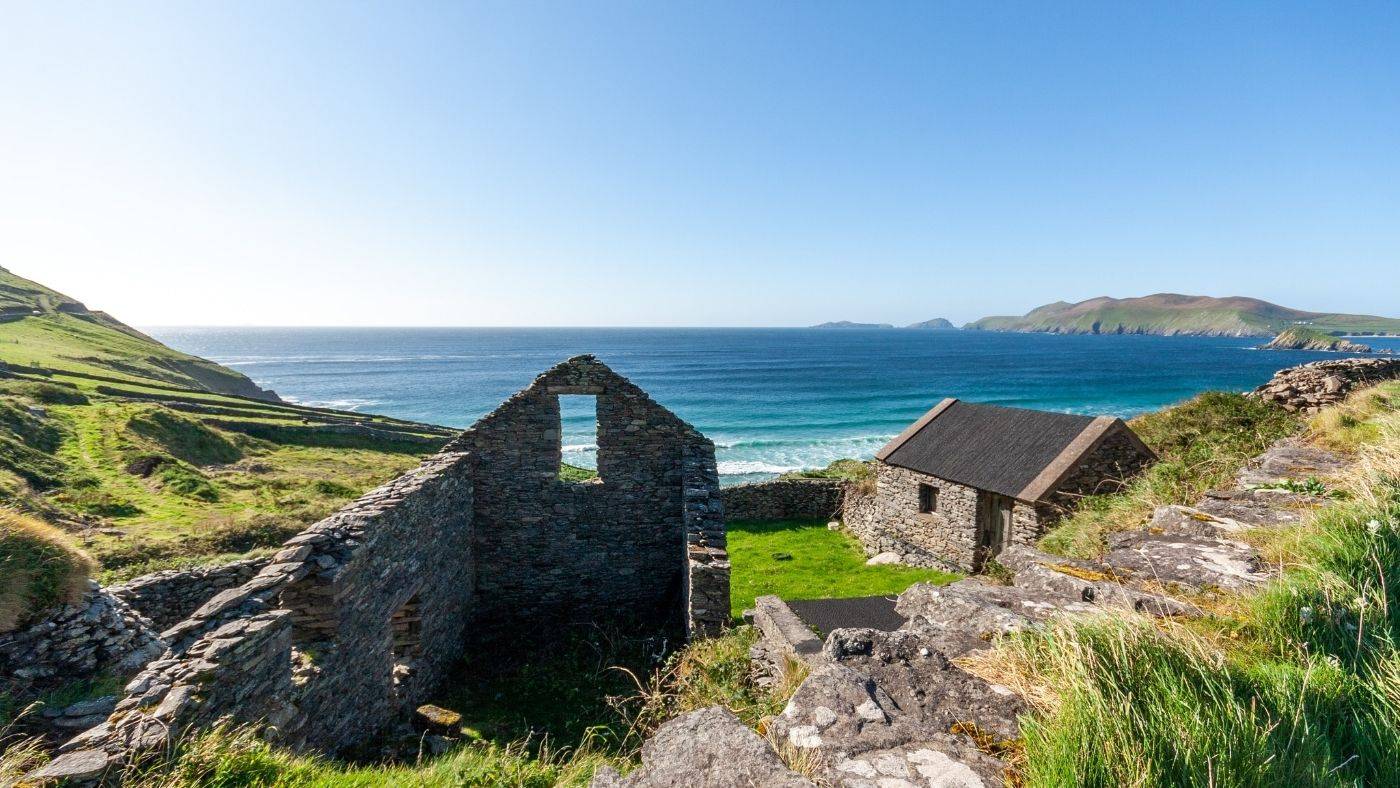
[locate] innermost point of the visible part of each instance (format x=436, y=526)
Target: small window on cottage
x=578, y=438
x=928, y=498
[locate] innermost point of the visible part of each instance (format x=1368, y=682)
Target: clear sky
x=758, y=163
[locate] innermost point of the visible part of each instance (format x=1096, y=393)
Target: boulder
x=709, y=748
x=945, y=761
x=920, y=677
x=1193, y=562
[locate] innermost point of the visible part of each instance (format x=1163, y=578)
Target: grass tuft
x=39, y=568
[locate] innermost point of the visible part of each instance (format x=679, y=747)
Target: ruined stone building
x=482, y=549
x=966, y=480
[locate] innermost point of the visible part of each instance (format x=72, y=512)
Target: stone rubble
x=1310, y=387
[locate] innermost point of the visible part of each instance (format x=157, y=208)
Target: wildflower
x=1305, y=615
x=1374, y=527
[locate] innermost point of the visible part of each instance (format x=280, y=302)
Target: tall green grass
x=1201, y=444
x=1296, y=685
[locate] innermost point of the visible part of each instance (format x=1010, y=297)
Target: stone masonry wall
x=784, y=499
x=890, y=521
x=98, y=633
x=613, y=550
x=1104, y=470
x=169, y=597
x=1310, y=387
x=307, y=645
x=357, y=620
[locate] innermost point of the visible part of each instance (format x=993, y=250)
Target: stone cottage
x=966, y=480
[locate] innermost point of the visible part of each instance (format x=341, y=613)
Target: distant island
x=1171, y=314
x=1299, y=338
x=936, y=324
x=849, y=324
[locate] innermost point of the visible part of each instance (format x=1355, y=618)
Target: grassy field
x=801, y=559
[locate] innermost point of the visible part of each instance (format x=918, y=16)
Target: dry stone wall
x=784, y=499
x=1310, y=387
x=889, y=521
x=1117, y=458
x=73, y=642
x=166, y=598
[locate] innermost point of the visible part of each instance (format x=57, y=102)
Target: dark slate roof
x=986, y=446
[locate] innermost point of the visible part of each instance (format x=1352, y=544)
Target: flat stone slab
x=74, y=766
x=1260, y=508
x=942, y=761
x=1189, y=521
x=981, y=609
x=1191, y=561
x=1290, y=459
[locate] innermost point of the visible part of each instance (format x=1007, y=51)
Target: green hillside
x=149, y=456
x=1172, y=314
x=44, y=329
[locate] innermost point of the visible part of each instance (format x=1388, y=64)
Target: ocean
x=773, y=400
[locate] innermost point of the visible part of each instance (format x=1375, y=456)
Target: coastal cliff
x=1172, y=314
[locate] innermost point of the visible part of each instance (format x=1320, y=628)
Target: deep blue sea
x=771, y=399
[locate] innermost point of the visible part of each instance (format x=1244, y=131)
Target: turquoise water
x=772, y=399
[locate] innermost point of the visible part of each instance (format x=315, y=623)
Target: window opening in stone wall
x=928, y=499
x=578, y=438
x=311, y=602
x=406, y=630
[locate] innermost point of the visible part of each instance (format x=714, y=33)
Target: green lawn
x=823, y=564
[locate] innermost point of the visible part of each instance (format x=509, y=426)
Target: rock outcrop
x=1311, y=387
x=1308, y=339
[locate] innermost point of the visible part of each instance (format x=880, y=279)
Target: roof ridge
x=1064, y=463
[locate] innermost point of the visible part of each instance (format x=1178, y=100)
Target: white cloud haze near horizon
x=718, y=164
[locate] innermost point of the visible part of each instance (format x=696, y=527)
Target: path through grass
x=801, y=559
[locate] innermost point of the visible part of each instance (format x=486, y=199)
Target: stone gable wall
x=784, y=499
x=1104, y=470
x=607, y=551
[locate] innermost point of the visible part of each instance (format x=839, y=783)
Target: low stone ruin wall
x=784, y=499
x=169, y=597
x=481, y=549
x=74, y=642
x=354, y=622
x=1311, y=387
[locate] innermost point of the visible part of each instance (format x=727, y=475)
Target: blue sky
x=695, y=163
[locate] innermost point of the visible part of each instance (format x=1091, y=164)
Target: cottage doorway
x=993, y=527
